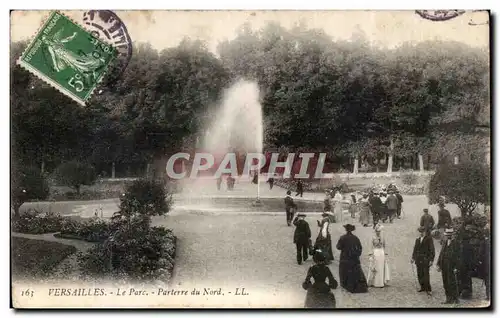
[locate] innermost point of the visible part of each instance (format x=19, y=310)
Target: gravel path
x=256, y=252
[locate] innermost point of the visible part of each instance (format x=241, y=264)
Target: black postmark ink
x=106, y=24
x=439, y=15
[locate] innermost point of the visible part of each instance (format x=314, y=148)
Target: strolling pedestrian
x=485, y=262
x=300, y=188
x=290, y=207
x=392, y=206
x=444, y=221
x=319, y=294
x=448, y=264
x=351, y=275
x=365, y=215
x=324, y=240
x=271, y=182
x=301, y=237
x=400, y=203
x=423, y=257
x=383, y=207
x=378, y=273
x=375, y=207
x=427, y=221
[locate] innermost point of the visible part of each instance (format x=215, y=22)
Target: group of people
x=449, y=262
x=230, y=181
x=383, y=206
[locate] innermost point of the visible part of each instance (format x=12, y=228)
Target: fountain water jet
x=238, y=124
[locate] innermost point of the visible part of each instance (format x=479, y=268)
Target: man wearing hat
x=375, y=207
x=423, y=256
x=485, y=261
x=444, y=220
x=427, y=221
x=290, y=207
x=301, y=237
x=392, y=205
x=400, y=203
x=448, y=264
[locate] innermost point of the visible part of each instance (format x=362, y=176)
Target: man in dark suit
x=485, y=261
x=448, y=264
x=290, y=207
x=427, y=221
x=301, y=237
x=300, y=188
x=392, y=206
x=423, y=256
x=375, y=207
x=400, y=203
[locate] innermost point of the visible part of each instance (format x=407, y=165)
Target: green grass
x=37, y=258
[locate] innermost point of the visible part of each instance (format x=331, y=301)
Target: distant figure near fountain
x=237, y=127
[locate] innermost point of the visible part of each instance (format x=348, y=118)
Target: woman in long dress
x=324, y=239
x=337, y=210
x=351, y=274
x=378, y=274
x=319, y=293
x=353, y=207
x=365, y=214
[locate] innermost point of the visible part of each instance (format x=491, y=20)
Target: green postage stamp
x=68, y=57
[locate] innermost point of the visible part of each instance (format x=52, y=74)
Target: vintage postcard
x=250, y=159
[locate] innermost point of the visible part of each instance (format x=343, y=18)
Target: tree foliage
x=27, y=183
x=74, y=174
x=145, y=197
x=348, y=98
x=465, y=184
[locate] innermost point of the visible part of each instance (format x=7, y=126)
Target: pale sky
x=387, y=28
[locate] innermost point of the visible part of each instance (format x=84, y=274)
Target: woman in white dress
x=378, y=274
x=337, y=210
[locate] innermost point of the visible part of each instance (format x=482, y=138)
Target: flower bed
x=92, y=230
x=34, y=222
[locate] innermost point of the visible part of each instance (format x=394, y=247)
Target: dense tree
x=74, y=174
x=27, y=183
x=357, y=101
x=465, y=184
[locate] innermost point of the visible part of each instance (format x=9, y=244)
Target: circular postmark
x=439, y=15
x=105, y=24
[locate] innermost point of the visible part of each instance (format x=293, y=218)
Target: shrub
x=465, y=184
x=27, y=183
x=74, y=174
x=92, y=230
x=145, y=197
x=408, y=177
x=133, y=252
x=35, y=222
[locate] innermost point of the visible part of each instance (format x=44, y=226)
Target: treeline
x=359, y=103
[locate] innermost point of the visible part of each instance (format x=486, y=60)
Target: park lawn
x=37, y=258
